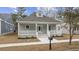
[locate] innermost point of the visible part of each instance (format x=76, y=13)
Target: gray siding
x=31, y=26
x=6, y=17
x=6, y=27
x=3, y=27
x=6, y=23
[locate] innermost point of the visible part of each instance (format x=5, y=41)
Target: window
x=52, y=27
x=39, y=28
x=27, y=26
x=49, y=27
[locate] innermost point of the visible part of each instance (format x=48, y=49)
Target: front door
x=42, y=29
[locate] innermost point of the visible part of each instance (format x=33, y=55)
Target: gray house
x=38, y=25
x=6, y=24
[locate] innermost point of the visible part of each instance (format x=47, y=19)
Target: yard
x=66, y=36
x=13, y=38
x=45, y=47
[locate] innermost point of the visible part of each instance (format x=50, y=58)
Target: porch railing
x=53, y=32
x=28, y=32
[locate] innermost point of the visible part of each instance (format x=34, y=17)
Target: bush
x=28, y=37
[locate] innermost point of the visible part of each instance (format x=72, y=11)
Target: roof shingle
x=39, y=19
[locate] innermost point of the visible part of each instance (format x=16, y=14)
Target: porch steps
x=43, y=36
x=45, y=39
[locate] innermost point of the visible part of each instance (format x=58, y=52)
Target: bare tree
x=18, y=15
x=71, y=16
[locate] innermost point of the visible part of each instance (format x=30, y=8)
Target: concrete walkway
x=45, y=39
x=42, y=41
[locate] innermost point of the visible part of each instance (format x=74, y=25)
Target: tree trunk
x=70, y=31
x=70, y=40
x=50, y=48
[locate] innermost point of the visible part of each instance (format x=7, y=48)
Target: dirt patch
x=13, y=38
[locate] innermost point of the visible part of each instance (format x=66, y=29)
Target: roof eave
x=38, y=22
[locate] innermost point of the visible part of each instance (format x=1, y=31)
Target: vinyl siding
x=3, y=27
x=6, y=25
x=6, y=17
x=27, y=31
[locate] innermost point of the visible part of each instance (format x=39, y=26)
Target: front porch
x=37, y=29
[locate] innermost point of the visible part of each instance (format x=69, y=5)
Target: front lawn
x=66, y=36
x=13, y=38
x=45, y=47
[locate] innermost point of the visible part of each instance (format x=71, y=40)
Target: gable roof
x=33, y=17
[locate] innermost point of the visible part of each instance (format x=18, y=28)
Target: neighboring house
x=6, y=24
x=65, y=26
x=38, y=25
x=65, y=29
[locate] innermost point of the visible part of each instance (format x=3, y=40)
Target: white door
x=42, y=30
x=39, y=29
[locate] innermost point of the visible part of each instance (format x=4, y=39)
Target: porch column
x=18, y=29
x=36, y=30
x=48, y=30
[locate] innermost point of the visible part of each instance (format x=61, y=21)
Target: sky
x=9, y=10
x=29, y=10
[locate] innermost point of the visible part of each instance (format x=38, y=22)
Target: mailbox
x=51, y=37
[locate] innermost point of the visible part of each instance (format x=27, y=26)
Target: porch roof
x=39, y=19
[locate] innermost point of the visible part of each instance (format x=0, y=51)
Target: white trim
x=18, y=29
x=36, y=31
x=33, y=22
x=48, y=30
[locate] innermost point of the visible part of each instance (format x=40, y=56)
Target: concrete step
x=43, y=36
